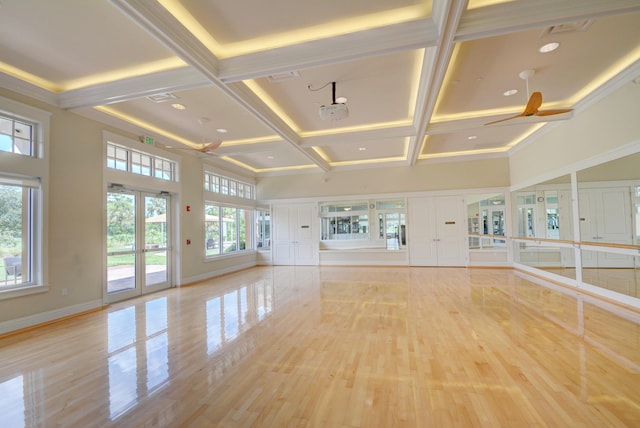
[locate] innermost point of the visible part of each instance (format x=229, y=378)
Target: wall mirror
x=486, y=221
x=544, y=211
x=609, y=218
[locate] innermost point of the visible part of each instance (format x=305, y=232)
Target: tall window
x=226, y=229
x=17, y=235
x=23, y=173
x=263, y=229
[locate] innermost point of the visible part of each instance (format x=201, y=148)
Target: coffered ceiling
x=421, y=78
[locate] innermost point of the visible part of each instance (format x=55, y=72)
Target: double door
x=437, y=235
x=137, y=245
x=295, y=240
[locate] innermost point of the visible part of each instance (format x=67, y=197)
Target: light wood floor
x=333, y=347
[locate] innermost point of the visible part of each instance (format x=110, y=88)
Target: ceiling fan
x=534, y=103
x=206, y=148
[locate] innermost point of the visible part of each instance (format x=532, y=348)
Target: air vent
x=568, y=27
x=162, y=97
x=280, y=77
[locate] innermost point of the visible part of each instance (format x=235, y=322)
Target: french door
x=138, y=244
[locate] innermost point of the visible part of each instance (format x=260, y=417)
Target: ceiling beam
x=373, y=42
x=156, y=20
x=447, y=15
x=132, y=88
x=526, y=15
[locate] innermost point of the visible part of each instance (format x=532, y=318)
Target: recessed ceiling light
x=222, y=130
x=178, y=106
x=341, y=100
x=549, y=47
x=510, y=92
x=472, y=137
x=362, y=149
x=270, y=157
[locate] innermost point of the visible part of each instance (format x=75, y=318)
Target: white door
x=295, y=240
x=437, y=232
x=605, y=218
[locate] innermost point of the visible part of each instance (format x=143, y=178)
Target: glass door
x=137, y=243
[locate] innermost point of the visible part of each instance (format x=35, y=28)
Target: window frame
x=373, y=209
x=32, y=172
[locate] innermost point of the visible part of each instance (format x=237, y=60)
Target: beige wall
x=75, y=215
x=604, y=126
x=426, y=177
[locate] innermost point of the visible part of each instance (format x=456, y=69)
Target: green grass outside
x=128, y=259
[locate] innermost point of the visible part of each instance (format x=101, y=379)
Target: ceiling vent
x=568, y=27
x=162, y=97
x=280, y=77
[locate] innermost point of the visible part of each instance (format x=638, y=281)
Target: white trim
x=45, y=317
x=21, y=290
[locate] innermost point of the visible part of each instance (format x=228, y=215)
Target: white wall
x=611, y=123
x=474, y=174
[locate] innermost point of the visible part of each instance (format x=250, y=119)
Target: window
x=136, y=162
x=375, y=224
x=23, y=184
x=16, y=136
x=391, y=224
x=226, y=229
x=17, y=232
x=344, y=221
x=263, y=229
x=227, y=186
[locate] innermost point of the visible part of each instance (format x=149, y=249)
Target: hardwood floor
x=333, y=347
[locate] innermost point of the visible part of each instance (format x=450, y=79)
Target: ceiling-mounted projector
x=335, y=111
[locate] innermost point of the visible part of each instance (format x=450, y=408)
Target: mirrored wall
x=604, y=249
x=543, y=227
x=486, y=229
x=609, y=206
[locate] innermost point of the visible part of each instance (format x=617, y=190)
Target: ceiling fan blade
x=552, y=112
x=535, y=101
x=210, y=146
x=508, y=118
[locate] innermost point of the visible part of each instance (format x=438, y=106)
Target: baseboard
x=47, y=317
x=218, y=272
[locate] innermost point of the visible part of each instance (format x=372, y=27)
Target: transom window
x=137, y=162
x=16, y=136
x=226, y=186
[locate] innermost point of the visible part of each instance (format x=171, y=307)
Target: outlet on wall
x=63, y=291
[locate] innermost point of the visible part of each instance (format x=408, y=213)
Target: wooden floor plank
x=336, y=347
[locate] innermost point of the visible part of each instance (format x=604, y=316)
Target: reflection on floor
x=334, y=347
x=621, y=280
